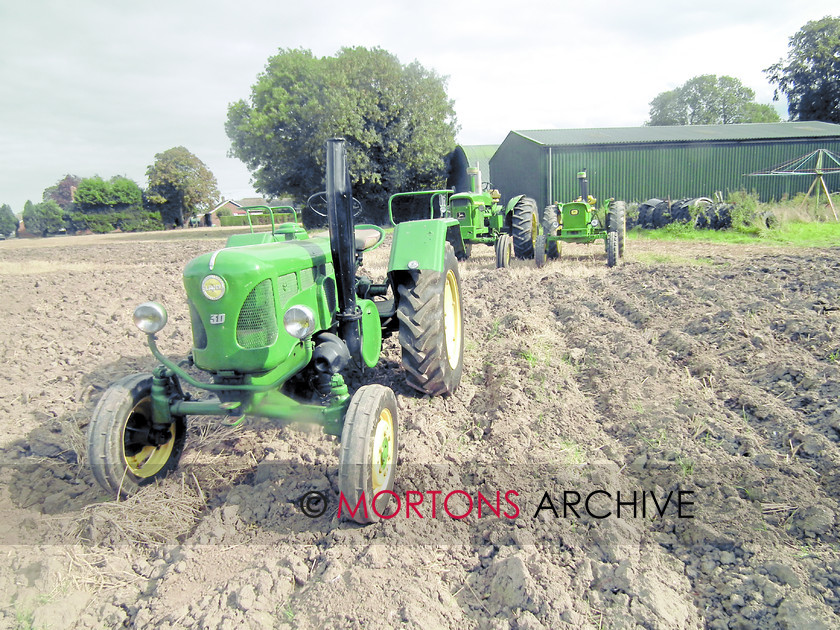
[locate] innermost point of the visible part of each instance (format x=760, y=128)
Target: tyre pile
x=656, y=213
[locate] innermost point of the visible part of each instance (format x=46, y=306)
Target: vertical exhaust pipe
x=342, y=244
x=584, y=185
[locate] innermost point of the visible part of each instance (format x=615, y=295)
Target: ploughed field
x=652, y=446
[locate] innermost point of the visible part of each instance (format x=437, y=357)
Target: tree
x=810, y=76
x=8, y=220
x=181, y=185
x=43, y=218
x=709, y=100
x=397, y=120
x=62, y=193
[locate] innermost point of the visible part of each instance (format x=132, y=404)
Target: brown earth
x=706, y=369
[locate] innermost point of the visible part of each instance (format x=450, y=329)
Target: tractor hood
x=238, y=297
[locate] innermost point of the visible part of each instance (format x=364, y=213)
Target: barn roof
x=682, y=133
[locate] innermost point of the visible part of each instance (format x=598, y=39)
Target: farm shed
x=637, y=163
x=464, y=157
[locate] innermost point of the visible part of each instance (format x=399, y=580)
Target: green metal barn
x=637, y=163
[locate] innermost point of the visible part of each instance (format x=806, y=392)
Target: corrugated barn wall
x=637, y=170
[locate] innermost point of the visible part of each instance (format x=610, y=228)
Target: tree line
x=399, y=124
x=179, y=185
x=809, y=77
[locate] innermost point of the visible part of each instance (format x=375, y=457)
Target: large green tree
x=709, y=100
x=397, y=119
x=181, y=185
x=810, y=76
x=43, y=218
x=8, y=220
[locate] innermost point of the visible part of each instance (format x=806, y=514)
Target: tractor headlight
x=594, y=223
x=150, y=317
x=299, y=321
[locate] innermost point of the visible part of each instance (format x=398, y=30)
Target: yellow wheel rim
x=452, y=319
x=534, y=230
x=145, y=460
x=382, y=455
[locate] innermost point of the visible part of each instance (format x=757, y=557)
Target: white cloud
x=99, y=88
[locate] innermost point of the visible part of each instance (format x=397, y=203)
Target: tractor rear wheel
x=431, y=316
x=525, y=227
x=125, y=449
x=611, y=243
x=539, y=251
x=368, y=457
x=504, y=251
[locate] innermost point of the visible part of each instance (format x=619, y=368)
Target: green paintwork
x=371, y=333
x=297, y=272
x=420, y=244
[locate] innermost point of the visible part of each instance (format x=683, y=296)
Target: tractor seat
x=366, y=238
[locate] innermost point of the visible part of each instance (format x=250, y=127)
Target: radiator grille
x=257, y=325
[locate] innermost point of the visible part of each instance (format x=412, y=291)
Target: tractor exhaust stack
x=342, y=244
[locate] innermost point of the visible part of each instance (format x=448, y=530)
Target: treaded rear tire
x=524, y=227
x=432, y=351
x=127, y=401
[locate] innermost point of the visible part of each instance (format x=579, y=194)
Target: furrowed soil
x=662, y=439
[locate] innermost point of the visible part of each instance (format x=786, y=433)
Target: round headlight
x=594, y=223
x=150, y=317
x=213, y=287
x=299, y=321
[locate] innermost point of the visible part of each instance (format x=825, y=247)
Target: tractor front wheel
x=125, y=448
x=431, y=315
x=504, y=251
x=539, y=251
x=368, y=458
x=524, y=227
x=618, y=223
x=611, y=242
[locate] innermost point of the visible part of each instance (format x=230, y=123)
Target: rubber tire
x=611, y=244
x=539, y=251
x=467, y=252
x=618, y=223
x=504, y=251
x=550, y=226
x=355, y=460
x=524, y=227
x=106, y=437
x=422, y=329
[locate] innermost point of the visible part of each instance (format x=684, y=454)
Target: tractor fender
x=508, y=223
x=420, y=245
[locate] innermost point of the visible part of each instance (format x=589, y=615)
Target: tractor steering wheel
x=318, y=204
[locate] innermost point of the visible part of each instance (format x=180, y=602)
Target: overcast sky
x=98, y=87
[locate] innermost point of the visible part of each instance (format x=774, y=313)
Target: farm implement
x=511, y=229
x=581, y=221
x=276, y=317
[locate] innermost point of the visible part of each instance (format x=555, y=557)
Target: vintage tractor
x=276, y=317
x=510, y=229
x=578, y=222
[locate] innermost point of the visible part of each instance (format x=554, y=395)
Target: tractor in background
x=276, y=317
x=581, y=221
x=511, y=229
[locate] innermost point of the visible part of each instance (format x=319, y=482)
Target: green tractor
x=579, y=222
x=276, y=316
x=510, y=229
